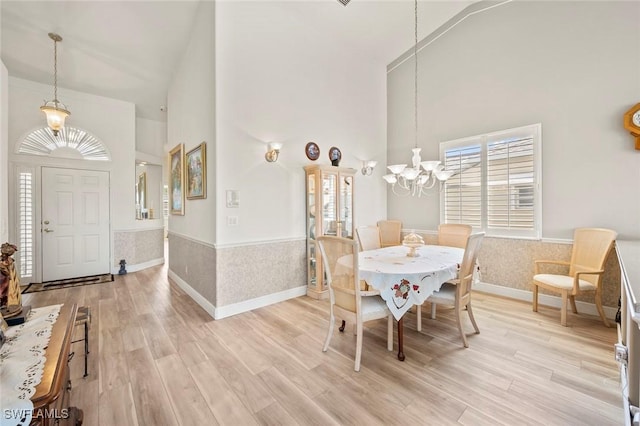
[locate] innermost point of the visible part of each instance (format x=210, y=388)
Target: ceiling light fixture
x=55, y=110
x=416, y=180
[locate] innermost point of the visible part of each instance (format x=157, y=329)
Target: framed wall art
x=176, y=178
x=196, y=170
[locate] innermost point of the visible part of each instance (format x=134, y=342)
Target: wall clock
x=631, y=122
x=312, y=150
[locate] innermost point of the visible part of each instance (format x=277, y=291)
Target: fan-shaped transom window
x=70, y=142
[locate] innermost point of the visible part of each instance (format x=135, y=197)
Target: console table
x=51, y=400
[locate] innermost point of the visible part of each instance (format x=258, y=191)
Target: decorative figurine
x=10, y=296
x=122, y=270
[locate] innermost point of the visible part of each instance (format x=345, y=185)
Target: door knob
x=46, y=222
x=48, y=230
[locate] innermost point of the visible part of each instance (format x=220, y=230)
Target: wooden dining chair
x=390, y=232
x=453, y=234
x=368, y=237
x=591, y=247
x=458, y=292
x=450, y=235
x=347, y=301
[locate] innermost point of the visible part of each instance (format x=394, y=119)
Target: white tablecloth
x=406, y=281
x=22, y=364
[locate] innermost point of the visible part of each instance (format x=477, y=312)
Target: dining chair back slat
x=390, y=232
x=368, y=237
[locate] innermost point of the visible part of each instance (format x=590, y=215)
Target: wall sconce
x=273, y=150
x=367, y=167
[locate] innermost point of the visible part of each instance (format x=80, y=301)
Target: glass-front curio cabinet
x=329, y=199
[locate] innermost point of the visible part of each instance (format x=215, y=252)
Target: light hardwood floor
x=157, y=358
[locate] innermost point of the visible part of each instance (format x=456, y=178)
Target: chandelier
x=55, y=110
x=421, y=176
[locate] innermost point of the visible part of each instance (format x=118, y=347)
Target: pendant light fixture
x=421, y=176
x=55, y=110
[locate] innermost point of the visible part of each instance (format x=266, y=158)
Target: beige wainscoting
x=250, y=271
x=138, y=247
x=509, y=263
x=231, y=279
x=194, y=262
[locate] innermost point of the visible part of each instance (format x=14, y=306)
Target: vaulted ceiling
x=127, y=50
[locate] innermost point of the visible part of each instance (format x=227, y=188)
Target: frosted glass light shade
x=443, y=174
x=430, y=165
x=390, y=178
x=396, y=169
x=410, y=174
x=55, y=116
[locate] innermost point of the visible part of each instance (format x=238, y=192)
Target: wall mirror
x=142, y=211
x=148, y=191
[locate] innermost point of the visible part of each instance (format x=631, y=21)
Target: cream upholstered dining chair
x=368, y=237
x=458, y=292
x=591, y=246
x=390, y=232
x=347, y=300
x=450, y=235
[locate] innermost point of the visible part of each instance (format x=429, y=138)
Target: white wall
x=151, y=137
x=191, y=120
x=573, y=66
x=272, y=86
x=4, y=159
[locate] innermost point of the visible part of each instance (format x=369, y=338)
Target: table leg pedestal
x=400, y=340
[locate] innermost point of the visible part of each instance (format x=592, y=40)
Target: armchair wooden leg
x=433, y=310
x=563, y=309
x=473, y=320
x=459, y=322
x=419, y=317
x=598, y=300
x=572, y=299
x=535, y=297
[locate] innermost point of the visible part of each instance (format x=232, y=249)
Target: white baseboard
x=259, y=302
x=139, y=266
x=240, y=307
x=199, y=299
x=543, y=299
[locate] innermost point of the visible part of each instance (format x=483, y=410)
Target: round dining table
x=405, y=281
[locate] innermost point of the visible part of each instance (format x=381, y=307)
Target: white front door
x=75, y=223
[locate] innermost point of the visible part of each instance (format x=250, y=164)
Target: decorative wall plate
x=335, y=156
x=312, y=150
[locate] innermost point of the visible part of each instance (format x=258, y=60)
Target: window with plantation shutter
x=25, y=222
x=463, y=191
x=496, y=184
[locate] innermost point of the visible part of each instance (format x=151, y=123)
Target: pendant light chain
x=55, y=72
x=415, y=81
x=55, y=110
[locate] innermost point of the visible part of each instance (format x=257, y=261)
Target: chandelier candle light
x=55, y=110
x=423, y=175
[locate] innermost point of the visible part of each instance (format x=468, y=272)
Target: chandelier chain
x=415, y=76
